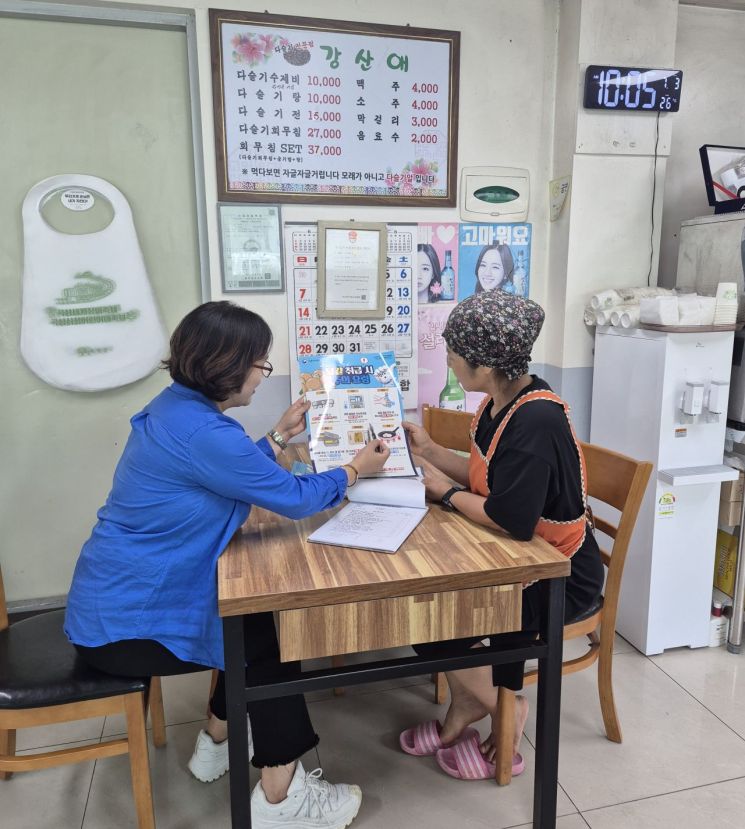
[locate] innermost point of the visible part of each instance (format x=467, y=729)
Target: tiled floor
x=681, y=765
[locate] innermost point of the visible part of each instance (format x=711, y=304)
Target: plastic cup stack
x=725, y=312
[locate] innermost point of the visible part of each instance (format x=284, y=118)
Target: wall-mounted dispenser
x=489, y=194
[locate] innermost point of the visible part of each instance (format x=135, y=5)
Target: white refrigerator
x=662, y=397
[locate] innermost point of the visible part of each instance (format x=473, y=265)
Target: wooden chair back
x=620, y=482
x=448, y=428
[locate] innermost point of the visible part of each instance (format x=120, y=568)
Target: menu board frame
x=315, y=27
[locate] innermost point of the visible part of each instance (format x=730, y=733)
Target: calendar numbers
x=395, y=332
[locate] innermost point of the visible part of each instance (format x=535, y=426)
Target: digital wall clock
x=632, y=89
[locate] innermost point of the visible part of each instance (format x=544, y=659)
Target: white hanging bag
x=89, y=318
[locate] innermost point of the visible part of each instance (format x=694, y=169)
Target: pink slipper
x=464, y=761
x=424, y=739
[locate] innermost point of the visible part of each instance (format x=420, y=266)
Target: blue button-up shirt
x=185, y=482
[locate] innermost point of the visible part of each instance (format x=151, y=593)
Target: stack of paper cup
x=725, y=312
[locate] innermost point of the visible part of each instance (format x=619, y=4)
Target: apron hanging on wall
x=89, y=318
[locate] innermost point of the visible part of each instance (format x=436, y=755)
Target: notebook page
x=369, y=527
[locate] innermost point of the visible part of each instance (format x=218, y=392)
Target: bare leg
x=472, y=697
x=217, y=729
x=275, y=780
x=488, y=747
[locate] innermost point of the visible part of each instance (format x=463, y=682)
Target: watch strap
x=278, y=439
x=445, y=500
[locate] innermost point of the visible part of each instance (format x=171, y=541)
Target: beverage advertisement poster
x=437, y=386
x=494, y=256
x=437, y=263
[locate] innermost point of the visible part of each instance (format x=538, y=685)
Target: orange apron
x=566, y=536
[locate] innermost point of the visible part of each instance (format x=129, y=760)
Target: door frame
x=130, y=16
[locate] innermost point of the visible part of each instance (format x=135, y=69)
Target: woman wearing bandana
x=525, y=476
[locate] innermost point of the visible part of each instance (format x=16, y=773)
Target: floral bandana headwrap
x=495, y=329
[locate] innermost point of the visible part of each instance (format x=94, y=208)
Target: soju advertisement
x=484, y=257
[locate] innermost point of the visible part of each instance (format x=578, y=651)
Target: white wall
x=506, y=105
x=609, y=239
x=709, y=50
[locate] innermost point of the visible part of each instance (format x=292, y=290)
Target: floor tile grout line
x=663, y=794
x=88, y=796
x=696, y=699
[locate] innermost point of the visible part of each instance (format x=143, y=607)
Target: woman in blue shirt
x=143, y=600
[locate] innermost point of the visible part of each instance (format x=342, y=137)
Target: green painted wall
x=108, y=101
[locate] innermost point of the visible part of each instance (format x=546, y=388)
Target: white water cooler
x=662, y=397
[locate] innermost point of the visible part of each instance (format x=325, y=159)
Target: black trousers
x=281, y=727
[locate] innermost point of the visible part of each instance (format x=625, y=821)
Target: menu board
x=334, y=111
x=396, y=332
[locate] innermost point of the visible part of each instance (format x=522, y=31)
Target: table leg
x=549, y=706
x=235, y=691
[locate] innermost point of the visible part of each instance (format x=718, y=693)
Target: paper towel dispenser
x=494, y=194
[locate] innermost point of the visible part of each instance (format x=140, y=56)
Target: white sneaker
x=311, y=803
x=210, y=759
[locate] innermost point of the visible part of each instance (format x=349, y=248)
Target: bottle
x=452, y=396
x=520, y=275
x=447, y=279
x=718, y=626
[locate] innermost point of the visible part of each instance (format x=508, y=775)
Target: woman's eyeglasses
x=266, y=367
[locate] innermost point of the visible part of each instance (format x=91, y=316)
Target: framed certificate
x=250, y=248
x=351, y=270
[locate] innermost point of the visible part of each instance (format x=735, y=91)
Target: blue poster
x=494, y=257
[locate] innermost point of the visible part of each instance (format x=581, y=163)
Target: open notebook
x=381, y=515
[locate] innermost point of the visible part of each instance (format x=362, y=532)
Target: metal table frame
x=547, y=649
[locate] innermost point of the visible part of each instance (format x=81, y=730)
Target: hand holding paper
x=436, y=483
x=292, y=422
x=372, y=458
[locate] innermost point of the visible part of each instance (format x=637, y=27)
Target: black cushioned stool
x=44, y=681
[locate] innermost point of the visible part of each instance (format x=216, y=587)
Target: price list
x=335, y=113
x=310, y=336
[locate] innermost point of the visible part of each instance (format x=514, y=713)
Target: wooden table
x=450, y=579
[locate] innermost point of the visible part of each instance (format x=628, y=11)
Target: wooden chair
x=620, y=482
x=451, y=430
x=43, y=681
x=612, y=479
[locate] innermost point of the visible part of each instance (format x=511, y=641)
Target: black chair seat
x=39, y=667
x=588, y=613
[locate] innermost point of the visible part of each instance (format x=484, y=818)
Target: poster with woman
x=437, y=387
x=437, y=258
x=494, y=257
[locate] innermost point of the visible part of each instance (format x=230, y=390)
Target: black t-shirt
x=535, y=472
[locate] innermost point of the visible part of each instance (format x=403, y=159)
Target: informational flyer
x=354, y=399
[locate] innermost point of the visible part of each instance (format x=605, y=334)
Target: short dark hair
x=214, y=347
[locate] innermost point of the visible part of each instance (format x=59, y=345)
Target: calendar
x=396, y=332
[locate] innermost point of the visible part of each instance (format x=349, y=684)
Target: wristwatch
x=445, y=500
x=278, y=439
